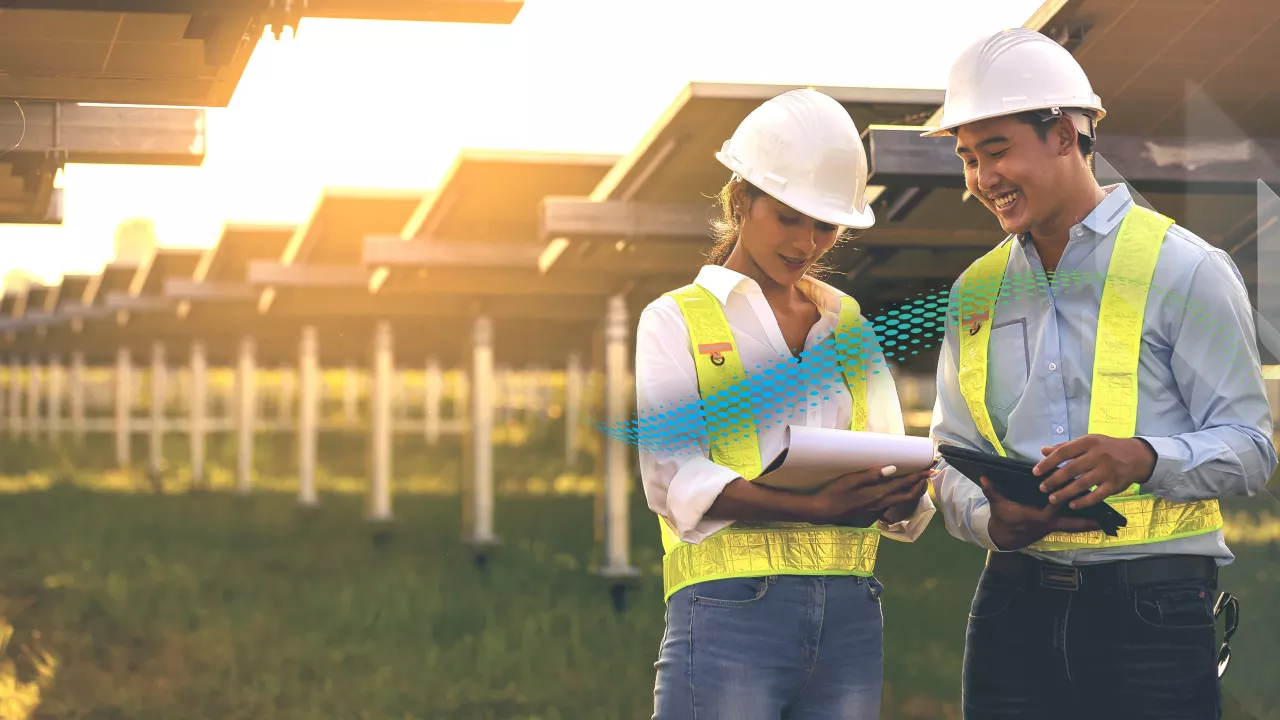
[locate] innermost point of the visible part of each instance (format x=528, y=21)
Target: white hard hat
x=803, y=149
x=1014, y=71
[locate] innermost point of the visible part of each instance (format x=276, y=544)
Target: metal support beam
x=609, y=220
x=186, y=289
x=482, y=401
x=155, y=457
x=276, y=274
x=308, y=414
x=77, y=397
x=199, y=411
x=246, y=413
x=394, y=251
x=380, y=427
x=124, y=407
x=898, y=157
x=107, y=135
x=617, y=402
x=461, y=11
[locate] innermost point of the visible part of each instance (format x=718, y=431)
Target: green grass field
x=210, y=605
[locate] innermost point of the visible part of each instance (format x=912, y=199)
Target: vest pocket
x=1008, y=364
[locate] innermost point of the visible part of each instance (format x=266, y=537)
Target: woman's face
x=778, y=241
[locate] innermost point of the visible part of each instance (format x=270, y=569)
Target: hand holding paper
x=815, y=456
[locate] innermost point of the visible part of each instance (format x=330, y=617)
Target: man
x=1121, y=352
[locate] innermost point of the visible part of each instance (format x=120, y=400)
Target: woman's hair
x=726, y=228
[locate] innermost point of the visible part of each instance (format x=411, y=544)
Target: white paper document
x=814, y=456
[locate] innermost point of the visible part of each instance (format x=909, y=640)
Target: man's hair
x=1043, y=120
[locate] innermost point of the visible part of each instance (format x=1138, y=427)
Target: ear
x=1064, y=136
x=741, y=200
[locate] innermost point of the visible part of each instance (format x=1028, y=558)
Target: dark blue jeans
x=1145, y=652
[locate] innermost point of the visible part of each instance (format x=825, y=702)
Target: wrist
x=1005, y=537
x=1152, y=457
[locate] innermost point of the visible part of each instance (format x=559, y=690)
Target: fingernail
x=888, y=470
x=1043, y=488
x=1053, y=498
x=1075, y=506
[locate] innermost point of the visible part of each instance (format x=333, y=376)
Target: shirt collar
x=1108, y=214
x=1110, y=211
x=722, y=281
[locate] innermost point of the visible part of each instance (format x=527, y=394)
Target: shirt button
x=1059, y=429
x=1053, y=366
x=1079, y=232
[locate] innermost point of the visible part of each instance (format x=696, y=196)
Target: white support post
x=617, y=527
x=199, y=409
x=124, y=406
x=33, y=399
x=350, y=390
x=246, y=414
x=482, y=402
x=77, y=396
x=383, y=370
x=155, y=457
x=308, y=414
x=15, y=398
x=54, y=410
x=572, y=407
x=433, y=383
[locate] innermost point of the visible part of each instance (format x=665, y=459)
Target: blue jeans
x=1037, y=652
x=794, y=647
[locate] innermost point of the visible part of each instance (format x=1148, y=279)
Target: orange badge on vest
x=977, y=321
x=716, y=351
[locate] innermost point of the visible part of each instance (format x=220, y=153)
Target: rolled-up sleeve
x=1217, y=369
x=965, y=509
x=680, y=480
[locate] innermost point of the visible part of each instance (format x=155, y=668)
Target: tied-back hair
x=726, y=228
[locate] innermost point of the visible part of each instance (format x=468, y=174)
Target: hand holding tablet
x=1017, y=481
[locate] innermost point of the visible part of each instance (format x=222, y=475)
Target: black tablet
x=1016, y=480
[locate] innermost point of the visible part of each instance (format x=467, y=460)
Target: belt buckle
x=1059, y=577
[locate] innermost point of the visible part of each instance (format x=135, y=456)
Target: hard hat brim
x=949, y=128
x=858, y=220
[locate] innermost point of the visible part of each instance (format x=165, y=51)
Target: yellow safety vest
x=759, y=549
x=1113, y=407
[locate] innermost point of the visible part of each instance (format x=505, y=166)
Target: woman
x=772, y=608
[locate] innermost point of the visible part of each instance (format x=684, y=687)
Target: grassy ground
x=209, y=605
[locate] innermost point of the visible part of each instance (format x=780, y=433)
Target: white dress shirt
x=680, y=480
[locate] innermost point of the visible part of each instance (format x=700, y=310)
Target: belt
x=1115, y=576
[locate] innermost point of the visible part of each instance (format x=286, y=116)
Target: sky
x=380, y=104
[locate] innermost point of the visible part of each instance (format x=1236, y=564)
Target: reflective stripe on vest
x=1113, y=407
x=758, y=549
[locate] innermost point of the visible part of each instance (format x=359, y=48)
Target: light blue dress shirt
x=1201, y=400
